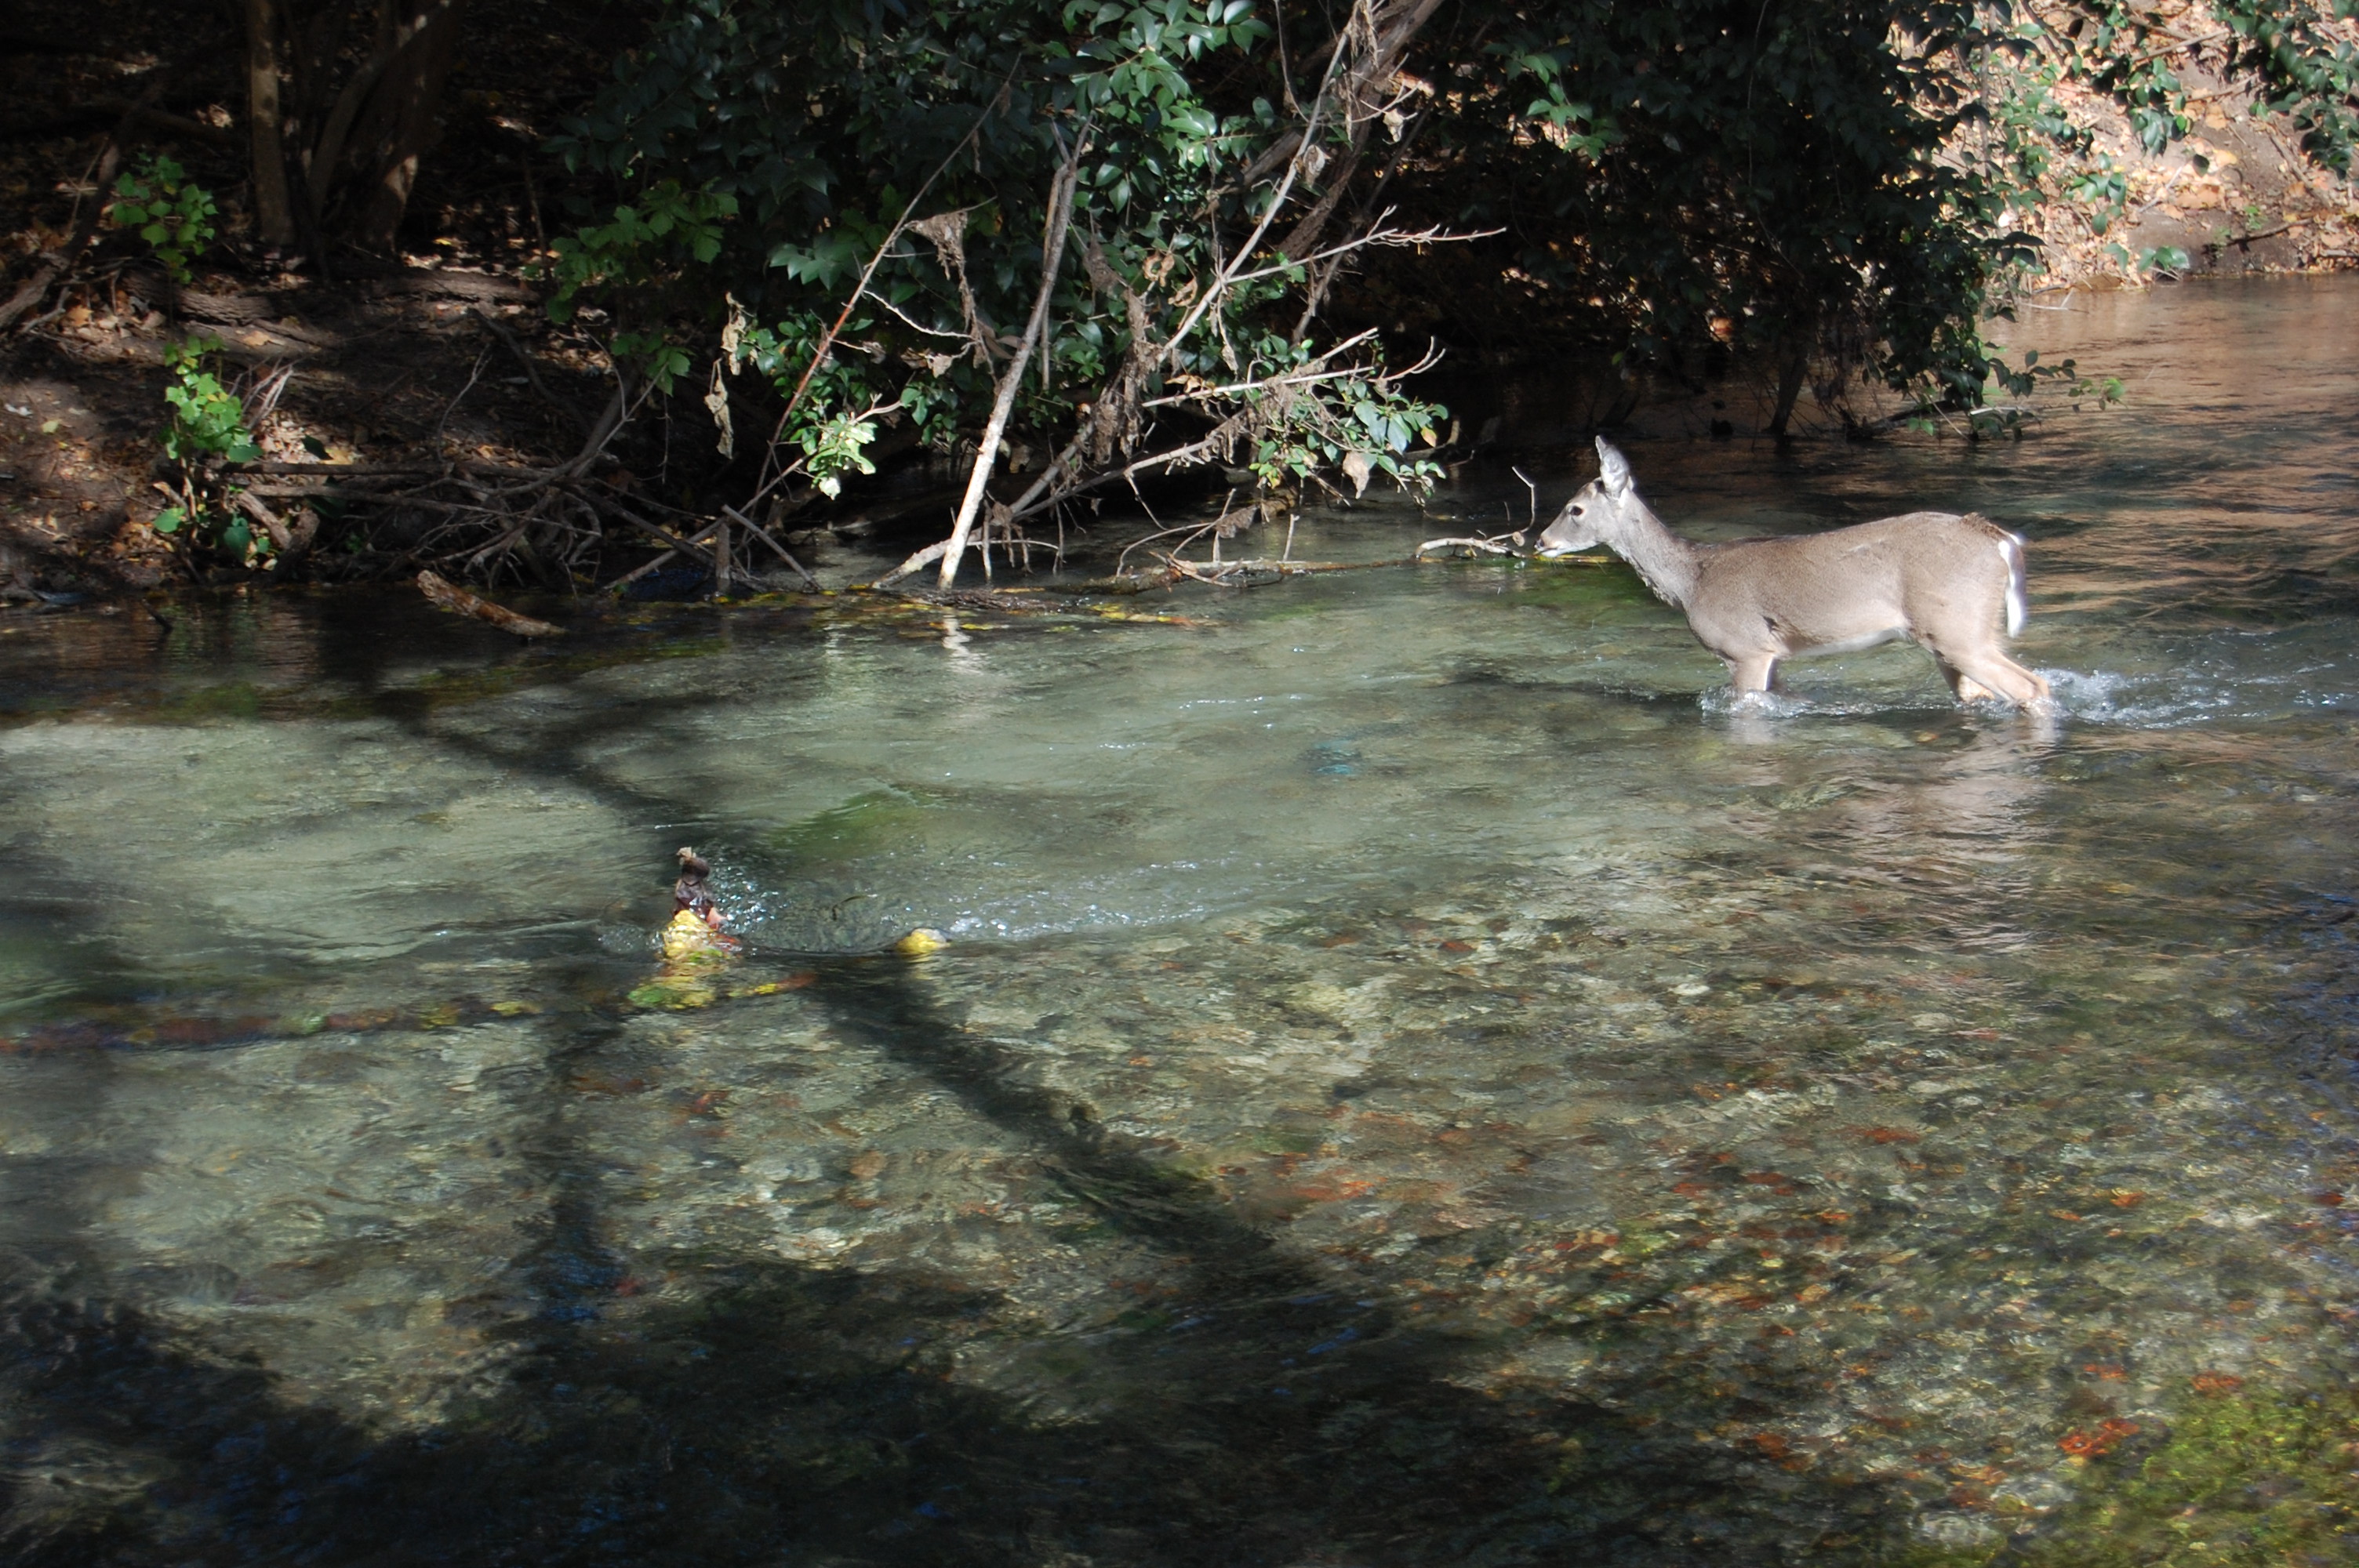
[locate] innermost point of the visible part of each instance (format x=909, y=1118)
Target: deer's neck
x=1664, y=562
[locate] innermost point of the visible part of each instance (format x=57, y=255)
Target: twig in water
x=1491, y=544
x=691, y=545
x=764, y=534
x=1192, y=530
x=460, y=602
x=918, y=561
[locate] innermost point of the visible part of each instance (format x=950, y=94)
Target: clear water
x=1415, y=1079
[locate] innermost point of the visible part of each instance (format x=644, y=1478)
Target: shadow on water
x=763, y=1411
x=759, y=1409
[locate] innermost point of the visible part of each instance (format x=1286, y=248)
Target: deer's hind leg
x=1986, y=672
x=1964, y=685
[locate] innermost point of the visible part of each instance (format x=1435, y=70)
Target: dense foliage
x=850, y=199
x=2307, y=68
x=1677, y=174
x=1702, y=172
x=778, y=152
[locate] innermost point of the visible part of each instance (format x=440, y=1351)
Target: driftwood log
x=459, y=602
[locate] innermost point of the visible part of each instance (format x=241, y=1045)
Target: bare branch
x=1431, y=357
x=1533, y=517
x=764, y=534
x=1494, y=543
x=1052, y=257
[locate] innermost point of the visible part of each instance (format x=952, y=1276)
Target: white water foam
x=2156, y=700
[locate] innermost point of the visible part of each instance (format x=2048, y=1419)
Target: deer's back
x=1889, y=576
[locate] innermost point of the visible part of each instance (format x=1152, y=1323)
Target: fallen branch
x=2290, y=224
x=688, y=546
x=1365, y=54
x=1219, y=574
x=157, y=120
x=459, y=602
x=1491, y=545
x=618, y=411
x=918, y=562
x=291, y=535
x=827, y=339
x=1038, y=499
x=355, y=470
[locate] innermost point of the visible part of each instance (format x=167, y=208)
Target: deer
x=1945, y=581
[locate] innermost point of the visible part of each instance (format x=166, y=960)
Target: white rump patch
x=2018, y=601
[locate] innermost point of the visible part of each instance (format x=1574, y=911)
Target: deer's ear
x=1612, y=469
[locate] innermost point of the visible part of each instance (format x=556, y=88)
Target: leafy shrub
x=156, y=200
x=208, y=427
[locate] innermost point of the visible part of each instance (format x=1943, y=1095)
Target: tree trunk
x=274, y=211
x=343, y=158
x=403, y=116
x=1793, y=369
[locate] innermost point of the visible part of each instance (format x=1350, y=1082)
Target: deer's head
x=1588, y=519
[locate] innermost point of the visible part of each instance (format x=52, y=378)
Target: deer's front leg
x=1753, y=672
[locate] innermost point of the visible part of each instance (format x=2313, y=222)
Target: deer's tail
x=2018, y=597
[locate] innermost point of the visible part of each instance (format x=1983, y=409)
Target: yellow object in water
x=694, y=954
x=689, y=940
x=921, y=942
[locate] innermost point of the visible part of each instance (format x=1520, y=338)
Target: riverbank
x=2231, y=191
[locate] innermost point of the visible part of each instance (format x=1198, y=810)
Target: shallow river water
x=1414, y=1078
